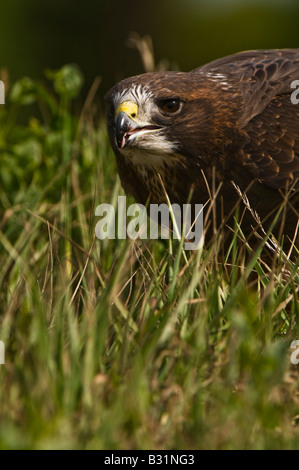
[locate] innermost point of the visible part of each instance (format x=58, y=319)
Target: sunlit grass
x=116, y=344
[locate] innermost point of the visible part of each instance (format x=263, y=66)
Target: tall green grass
x=122, y=344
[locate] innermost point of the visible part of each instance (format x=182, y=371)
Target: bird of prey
x=230, y=125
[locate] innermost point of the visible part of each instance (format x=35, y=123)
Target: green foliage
x=67, y=81
x=121, y=344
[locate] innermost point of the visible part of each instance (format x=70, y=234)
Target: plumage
x=229, y=124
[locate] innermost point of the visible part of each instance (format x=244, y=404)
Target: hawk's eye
x=170, y=106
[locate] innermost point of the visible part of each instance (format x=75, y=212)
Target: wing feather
x=268, y=118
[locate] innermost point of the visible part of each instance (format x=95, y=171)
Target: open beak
x=127, y=127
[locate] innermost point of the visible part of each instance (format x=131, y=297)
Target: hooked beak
x=128, y=128
x=124, y=127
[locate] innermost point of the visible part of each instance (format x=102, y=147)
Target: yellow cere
x=129, y=108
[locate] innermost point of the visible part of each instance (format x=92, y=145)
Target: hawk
x=230, y=127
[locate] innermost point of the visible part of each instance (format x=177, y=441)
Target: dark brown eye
x=170, y=106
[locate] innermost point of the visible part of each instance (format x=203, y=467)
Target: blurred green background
x=37, y=35
x=116, y=344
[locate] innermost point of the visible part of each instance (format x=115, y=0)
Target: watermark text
x=164, y=221
x=2, y=93
x=2, y=353
x=295, y=354
x=295, y=94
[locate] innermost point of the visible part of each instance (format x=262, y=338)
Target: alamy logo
x=173, y=221
x=294, y=99
x=295, y=354
x=2, y=353
x=2, y=93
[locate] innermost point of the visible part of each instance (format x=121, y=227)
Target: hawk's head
x=153, y=116
x=170, y=124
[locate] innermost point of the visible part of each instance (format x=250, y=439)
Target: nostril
x=133, y=115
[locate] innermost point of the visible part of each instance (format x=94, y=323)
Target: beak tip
x=123, y=124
